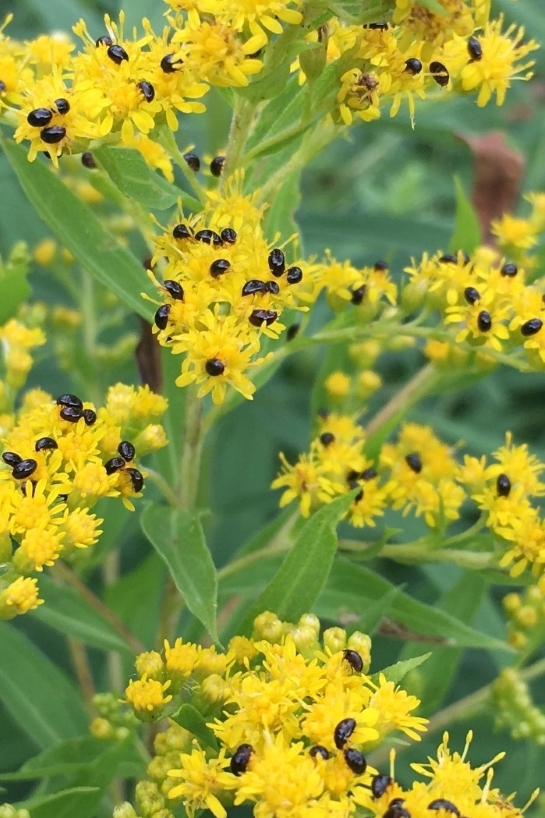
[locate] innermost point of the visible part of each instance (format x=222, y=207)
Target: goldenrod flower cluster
x=420, y=474
x=514, y=709
x=289, y=721
x=129, y=86
x=223, y=290
x=59, y=457
x=113, y=722
x=525, y=613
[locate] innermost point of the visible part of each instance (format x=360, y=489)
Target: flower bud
x=268, y=626
x=101, y=729
x=124, y=810
x=361, y=642
x=151, y=664
x=334, y=639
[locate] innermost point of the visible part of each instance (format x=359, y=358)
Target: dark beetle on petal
x=241, y=759
x=24, y=469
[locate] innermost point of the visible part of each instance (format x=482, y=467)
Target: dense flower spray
x=59, y=457
x=287, y=720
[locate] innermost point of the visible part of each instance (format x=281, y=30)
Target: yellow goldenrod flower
x=147, y=697
x=19, y=597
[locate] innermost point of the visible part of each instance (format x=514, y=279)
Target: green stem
x=238, y=134
x=313, y=143
x=469, y=704
x=474, y=560
x=279, y=544
x=163, y=486
x=184, y=498
x=418, y=386
x=187, y=490
x=168, y=141
x=389, y=329
x=82, y=668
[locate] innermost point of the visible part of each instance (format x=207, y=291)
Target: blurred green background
x=385, y=192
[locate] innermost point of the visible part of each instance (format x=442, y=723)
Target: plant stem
x=110, y=574
x=80, y=661
x=312, y=144
x=163, y=486
x=185, y=499
x=168, y=141
x=418, y=385
x=476, y=561
x=64, y=572
x=238, y=134
x=413, y=330
x=187, y=489
x=278, y=545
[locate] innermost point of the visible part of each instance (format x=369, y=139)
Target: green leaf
x=189, y=717
x=130, y=172
x=87, y=790
x=280, y=215
x=37, y=694
x=396, y=673
x=169, y=457
x=277, y=528
x=374, y=613
x=304, y=572
x=67, y=612
x=359, y=584
x=467, y=231
x=64, y=804
x=66, y=758
x=179, y=540
x=461, y=601
x=279, y=115
x=77, y=228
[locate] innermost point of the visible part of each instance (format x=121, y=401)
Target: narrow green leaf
x=373, y=615
x=461, y=601
x=278, y=527
x=69, y=613
x=359, y=584
x=395, y=673
x=189, y=717
x=87, y=790
x=84, y=750
x=280, y=114
x=130, y=172
x=467, y=231
x=67, y=758
x=77, y=228
x=179, y=540
x=280, y=215
x=304, y=572
x=53, y=771
x=64, y=804
x=169, y=457
x=37, y=694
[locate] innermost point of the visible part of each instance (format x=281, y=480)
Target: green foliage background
x=387, y=192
